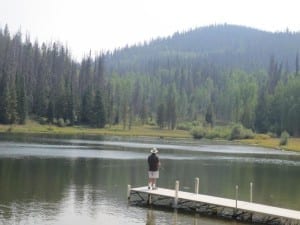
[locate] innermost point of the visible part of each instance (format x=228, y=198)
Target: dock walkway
x=232, y=208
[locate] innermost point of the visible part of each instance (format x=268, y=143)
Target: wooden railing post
x=251, y=191
x=176, y=193
x=197, y=185
x=128, y=191
x=236, y=195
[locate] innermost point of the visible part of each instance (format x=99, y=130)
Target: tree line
x=145, y=84
x=264, y=101
x=45, y=82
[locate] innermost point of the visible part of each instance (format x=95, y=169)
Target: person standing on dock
x=153, y=173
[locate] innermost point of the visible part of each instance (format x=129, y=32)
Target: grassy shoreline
x=146, y=130
x=137, y=131
x=293, y=143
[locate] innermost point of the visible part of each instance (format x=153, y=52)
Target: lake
x=77, y=181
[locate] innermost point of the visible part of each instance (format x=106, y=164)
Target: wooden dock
x=211, y=205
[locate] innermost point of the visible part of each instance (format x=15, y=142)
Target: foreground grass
x=32, y=127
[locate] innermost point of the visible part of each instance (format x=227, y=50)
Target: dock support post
x=149, y=201
x=251, y=191
x=176, y=193
x=197, y=185
x=128, y=191
x=236, y=195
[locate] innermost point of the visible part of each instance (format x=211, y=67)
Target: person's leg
x=150, y=184
x=154, y=183
x=156, y=176
x=150, y=180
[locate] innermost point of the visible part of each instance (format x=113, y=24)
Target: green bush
x=239, y=132
x=236, y=132
x=212, y=134
x=43, y=121
x=184, y=126
x=222, y=132
x=196, y=123
x=284, y=137
x=198, y=132
x=272, y=135
x=61, y=122
x=68, y=123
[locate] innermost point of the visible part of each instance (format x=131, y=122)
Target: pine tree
x=143, y=113
x=171, y=113
x=4, y=101
x=297, y=64
x=12, y=106
x=160, y=116
x=70, y=112
x=99, y=113
x=50, y=112
x=22, y=105
x=209, y=116
x=87, y=107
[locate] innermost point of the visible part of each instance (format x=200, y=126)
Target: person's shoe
x=149, y=188
x=154, y=187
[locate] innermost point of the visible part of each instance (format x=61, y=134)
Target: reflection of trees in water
x=219, y=177
x=44, y=184
x=39, y=183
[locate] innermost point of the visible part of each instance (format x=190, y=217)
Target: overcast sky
x=107, y=24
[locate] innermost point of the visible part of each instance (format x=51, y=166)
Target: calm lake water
x=71, y=181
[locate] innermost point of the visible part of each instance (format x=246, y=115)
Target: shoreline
x=33, y=128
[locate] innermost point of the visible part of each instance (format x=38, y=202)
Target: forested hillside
x=218, y=73
x=44, y=82
x=213, y=75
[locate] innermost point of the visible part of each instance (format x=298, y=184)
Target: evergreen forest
x=215, y=75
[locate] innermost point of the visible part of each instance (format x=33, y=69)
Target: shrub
x=236, y=132
x=212, y=134
x=222, y=132
x=248, y=134
x=272, y=135
x=43, y=121
x=198, y=132
x=184, y=126
x=284, y=138
x=196, y=123
x=151, y=123
x=68, y=123
x=239, y=132
x=61, y=122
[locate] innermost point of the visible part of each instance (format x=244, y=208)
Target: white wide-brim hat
x=154, y=150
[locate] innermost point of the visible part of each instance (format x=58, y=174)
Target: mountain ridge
x=225, y=45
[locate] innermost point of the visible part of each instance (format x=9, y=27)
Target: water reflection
x=175, y=217
x=82, y=184
x=150, y=217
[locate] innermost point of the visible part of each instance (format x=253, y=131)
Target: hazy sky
x=107, y=24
